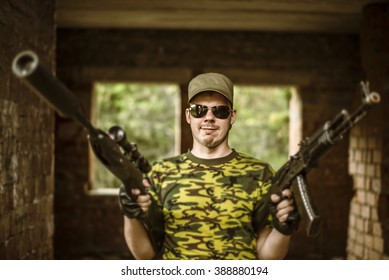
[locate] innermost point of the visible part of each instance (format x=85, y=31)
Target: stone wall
x=26, y=136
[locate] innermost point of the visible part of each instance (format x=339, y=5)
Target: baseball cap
x=211, y=82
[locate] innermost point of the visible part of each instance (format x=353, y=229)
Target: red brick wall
x=26, y=136
x=369, y=215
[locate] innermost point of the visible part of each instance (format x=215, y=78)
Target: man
x=211, y=197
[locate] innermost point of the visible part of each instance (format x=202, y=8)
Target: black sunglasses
x=199, y=111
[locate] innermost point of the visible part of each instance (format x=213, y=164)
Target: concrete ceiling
x=323, y=16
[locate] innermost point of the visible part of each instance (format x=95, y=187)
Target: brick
x=374, y=255
x=370, y=170
x=352, y=167
x=377, y=229
x=365, y=211
x=361, y=167
x=359, y=181
x=358, y=155
x=368, y=181
x=377, y=172
x=378, y=244
x=353, y=140
x=362, y=143
x=368, y=241
x=360, y=225
x=358, y=250
x=374, y=214
x=377, y=156
x=356, y=209
x=350, y=247
x=376, y=185
x=372, y=143
x=361, y=196
x=351, y=222
x=371, y=198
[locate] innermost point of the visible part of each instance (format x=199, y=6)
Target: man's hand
x=283, y=209
x=145, y=222
x=135, y=209
x=144, y=201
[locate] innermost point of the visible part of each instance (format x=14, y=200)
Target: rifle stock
x=26, y=66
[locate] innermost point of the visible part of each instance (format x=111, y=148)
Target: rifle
x=311, y=150
x=129, y=167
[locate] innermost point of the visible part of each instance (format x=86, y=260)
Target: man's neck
x=211, y=153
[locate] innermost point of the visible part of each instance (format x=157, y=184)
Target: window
x=262, y=126
x=148, y=113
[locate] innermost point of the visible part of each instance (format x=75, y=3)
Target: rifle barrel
x=26, y=66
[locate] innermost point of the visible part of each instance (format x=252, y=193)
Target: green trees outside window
x=262, y=126
x=150, y=115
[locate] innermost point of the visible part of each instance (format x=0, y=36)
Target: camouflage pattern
x=207, y=205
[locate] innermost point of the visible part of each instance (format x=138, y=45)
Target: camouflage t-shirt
x=207, y=205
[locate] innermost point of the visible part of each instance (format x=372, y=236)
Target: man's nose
x=209, y=115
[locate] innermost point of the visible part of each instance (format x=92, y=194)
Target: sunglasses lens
x=221, y=112
x=199, y=111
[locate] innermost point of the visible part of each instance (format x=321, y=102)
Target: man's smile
x=208, y=128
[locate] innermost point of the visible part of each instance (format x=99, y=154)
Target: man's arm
x=271, y=244
x=137, y=239
x=135, y=234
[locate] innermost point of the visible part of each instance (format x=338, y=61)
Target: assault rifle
x=113, y=150
x=311, y=150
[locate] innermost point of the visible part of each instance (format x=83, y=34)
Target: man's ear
x=187, y=116
x=233, y=117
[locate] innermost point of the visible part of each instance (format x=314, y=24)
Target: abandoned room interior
x=49, y=207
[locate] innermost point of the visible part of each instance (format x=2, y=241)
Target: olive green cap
x=211, y=82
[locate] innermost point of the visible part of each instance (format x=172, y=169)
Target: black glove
x=153, y=220
x=292, y=222
x=130, y=208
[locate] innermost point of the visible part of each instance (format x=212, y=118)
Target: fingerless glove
x=290, y=225
x=129, y=208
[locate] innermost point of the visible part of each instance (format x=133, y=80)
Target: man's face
x=208, y=130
